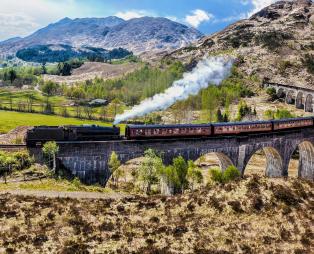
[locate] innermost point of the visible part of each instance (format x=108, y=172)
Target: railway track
x=12, y=147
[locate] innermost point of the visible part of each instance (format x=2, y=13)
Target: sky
x=22, y=17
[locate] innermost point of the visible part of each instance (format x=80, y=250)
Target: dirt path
x=65, y=194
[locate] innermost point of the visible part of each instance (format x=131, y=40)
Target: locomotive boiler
x=42, y=134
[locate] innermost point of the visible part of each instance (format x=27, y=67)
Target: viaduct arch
x=89, y=160
x=302, y=98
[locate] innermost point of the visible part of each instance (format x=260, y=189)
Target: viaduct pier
x=89, y=160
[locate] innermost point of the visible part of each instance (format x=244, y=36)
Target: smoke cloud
x=208, y=71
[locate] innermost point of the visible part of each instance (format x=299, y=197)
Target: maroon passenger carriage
x=238, y=128
x=212, y=130
x=293, y=123
x=168, y=131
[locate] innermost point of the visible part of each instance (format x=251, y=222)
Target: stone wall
x=88, y=160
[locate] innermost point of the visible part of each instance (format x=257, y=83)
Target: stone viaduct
x=303, y=98
x=89, y=160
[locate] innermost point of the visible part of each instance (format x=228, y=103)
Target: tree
x=49, y=89
x=119, y=173
x=6, y=164
x=254, y=111
x=219, y=116
x=231, y=173
x=181, y=169
x=44, y=68
x=168, y=180
x=210, y=100
x=51, y=149
x=64, y=111
x=103, y=113
x=12, y=75
x=64, y=69
x=30, y=101
x=89, y=112
x=226, y=117
x=115, y=104
x=243, y=110
x=114, y=164
x=78, y=110
x=272, y=93
x=194, y=174
x=149, y=168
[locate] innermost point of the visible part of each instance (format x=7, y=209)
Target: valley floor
x=253, y=215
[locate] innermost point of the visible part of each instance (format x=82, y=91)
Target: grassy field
x=17, y=100
x=18, y=96
x=10, y=120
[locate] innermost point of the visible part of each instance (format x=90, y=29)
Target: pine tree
x=219, y=116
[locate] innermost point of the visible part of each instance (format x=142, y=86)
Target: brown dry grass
x=91, y=70
x=254, y=215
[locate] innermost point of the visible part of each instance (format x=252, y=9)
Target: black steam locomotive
x=40, y=135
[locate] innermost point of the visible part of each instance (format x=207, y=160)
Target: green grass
x=21, y=96
x=10, y=120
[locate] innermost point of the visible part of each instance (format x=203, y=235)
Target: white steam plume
x=211, y=70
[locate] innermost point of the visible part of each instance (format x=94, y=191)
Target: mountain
x=275, y=44
x=137, y=35
x=11, y=40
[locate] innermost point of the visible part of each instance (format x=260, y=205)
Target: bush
x=230, y=174
x=284, y=65
x=77, y=183
x=244, y=110
x=272, y=39
x=216, y=175
x=279, y=114
x=22, y=160
x=308, y=61
x=272, y=93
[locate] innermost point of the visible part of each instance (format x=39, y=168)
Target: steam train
x=41, y=134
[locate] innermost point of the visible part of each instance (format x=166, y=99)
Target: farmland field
x=11, y=120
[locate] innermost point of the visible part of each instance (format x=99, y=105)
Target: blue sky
x=20, y=18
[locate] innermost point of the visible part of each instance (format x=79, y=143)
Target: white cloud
x=20, y=18
x=230, y=18
x=132, y=14
x=259, y=4
x=173, y=18
x=197, y=17
x=16, y=24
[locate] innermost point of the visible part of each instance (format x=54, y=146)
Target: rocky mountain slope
x=275, y=44
x=137, y=35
